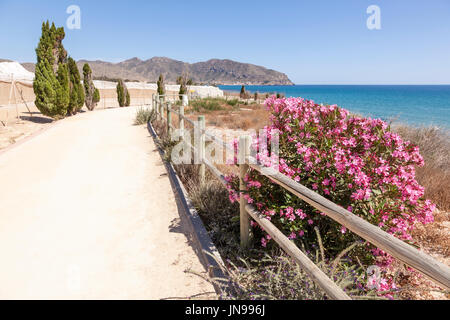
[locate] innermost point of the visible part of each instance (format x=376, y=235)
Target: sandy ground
x=87, y=212
x=18, y=124
x=17, y=129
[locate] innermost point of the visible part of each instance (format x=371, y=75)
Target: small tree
x=243, y=93
x=120, y=95
x=123, y=96
x=92, y=95
x=182, y=81
x=127, y=98
x=256, y=96
x=161, y=86
x=51, y=82
x=62, y=91
x=96, y=98
x=76, y=89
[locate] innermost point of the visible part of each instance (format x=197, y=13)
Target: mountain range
x=212, y=72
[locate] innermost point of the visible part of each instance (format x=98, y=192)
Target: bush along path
x=358, y=163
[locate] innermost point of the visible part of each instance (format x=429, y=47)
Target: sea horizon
x=412, y=104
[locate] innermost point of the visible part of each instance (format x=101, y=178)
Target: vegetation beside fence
x=373, y=234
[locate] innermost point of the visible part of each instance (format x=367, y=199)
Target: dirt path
x=87, y=212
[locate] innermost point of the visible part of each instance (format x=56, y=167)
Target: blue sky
x=313, y=42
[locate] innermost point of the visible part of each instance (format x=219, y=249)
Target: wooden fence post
x=154, y=102
x=181, y=121
x=161, y=107
x=244, y=153
x=169, y=119
x=157, y=107
x=201, y=150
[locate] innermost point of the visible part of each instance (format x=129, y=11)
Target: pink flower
x=263, y=242
x=300, y=213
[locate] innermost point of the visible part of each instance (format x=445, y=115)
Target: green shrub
x=207, y=104
x=232, y=102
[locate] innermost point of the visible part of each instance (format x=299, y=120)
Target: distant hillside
x=210, y=72
x=29, y=66
x=213, y=71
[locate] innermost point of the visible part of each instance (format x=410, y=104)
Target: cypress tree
x=161, y=86
x=62, y=92
x=76, y=89
x=243, y=94
x=120, y=96
x=123, y=96
x=91, y=93
x=182, y=81
x=127, y=97
x=51, y=83
x=96, y=97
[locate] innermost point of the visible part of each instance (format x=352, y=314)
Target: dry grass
x=232, y=113
x=144, y=115
x=256, y=274
x=434, y=144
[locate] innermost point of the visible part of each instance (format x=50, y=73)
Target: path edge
x=202, y=239
x=29, y=137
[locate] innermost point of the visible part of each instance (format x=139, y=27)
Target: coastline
x=415, y=105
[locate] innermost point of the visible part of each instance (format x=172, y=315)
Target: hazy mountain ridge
x=214, y=71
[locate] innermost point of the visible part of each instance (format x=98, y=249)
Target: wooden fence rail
x=409, y=255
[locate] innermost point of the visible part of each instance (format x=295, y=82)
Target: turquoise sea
x=419, y=105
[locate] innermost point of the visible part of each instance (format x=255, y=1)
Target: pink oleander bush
x=358, y=163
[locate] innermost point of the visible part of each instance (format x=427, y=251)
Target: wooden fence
x=402, y=251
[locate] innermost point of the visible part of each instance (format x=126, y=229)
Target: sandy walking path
x=87, y=212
